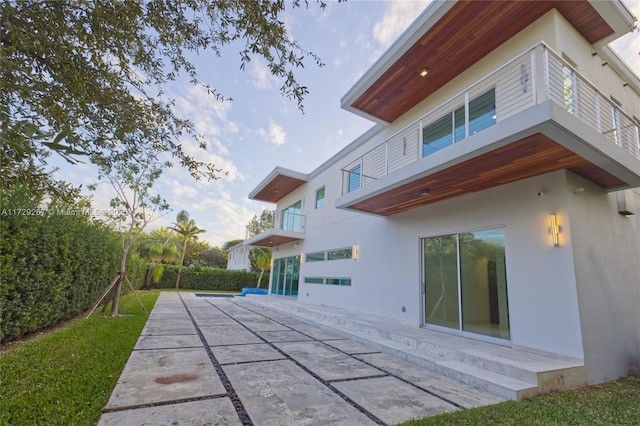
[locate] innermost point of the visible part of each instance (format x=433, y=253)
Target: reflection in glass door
x=286, y=275
x=441, y=278
x=465, y=283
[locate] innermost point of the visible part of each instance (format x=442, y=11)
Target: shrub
x=201, y=278
x=54, y=261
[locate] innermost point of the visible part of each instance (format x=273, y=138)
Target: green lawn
x=66, y=376
x=613, y=403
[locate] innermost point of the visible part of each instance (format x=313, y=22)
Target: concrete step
x=512, y=373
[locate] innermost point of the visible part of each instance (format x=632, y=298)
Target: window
x=337, y=254
x=320, y=197
x=451, y=128
x=339, y=281
x=482, y=112
x=346, y=253
x=292, y=218
x=354, y=178
x=328, y=281
x=315, y=257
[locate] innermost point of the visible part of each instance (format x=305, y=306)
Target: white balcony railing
x=530, y=78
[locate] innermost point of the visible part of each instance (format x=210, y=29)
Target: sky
x=261, y=129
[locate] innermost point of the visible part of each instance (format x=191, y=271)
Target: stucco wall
x=387, y=274
x=606, y=249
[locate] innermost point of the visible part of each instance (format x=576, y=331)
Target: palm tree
x=159, y=247
x=187, y=231
x=263, y=261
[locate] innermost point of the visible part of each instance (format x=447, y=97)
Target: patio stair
x=507, y=372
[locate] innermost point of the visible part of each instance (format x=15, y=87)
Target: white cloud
x=398, y=16
x=261, y=76
x=276, y=134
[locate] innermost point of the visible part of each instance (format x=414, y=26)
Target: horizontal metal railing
x=518, y=86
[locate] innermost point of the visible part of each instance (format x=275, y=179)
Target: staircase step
x=505, y=372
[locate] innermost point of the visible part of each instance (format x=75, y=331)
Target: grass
x=612, y=403
x=66, y=376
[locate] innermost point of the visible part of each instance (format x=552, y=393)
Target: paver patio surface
x=227, y=361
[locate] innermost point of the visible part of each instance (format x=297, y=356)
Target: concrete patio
x=214, y=360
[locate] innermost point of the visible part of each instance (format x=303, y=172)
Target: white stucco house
x=238, y=258
x=496, y=196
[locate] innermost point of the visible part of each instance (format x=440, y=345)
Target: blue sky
x=261, y=129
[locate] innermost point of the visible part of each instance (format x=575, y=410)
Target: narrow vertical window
x=320, y=197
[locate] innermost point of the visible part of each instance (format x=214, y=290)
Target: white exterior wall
x=606, y=249
x=239, y=258
x=545, y=283
x=387, y=274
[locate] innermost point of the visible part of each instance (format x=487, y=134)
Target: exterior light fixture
x=555, y=230
x=355, y=252
x=424, y=192
x=424, y=72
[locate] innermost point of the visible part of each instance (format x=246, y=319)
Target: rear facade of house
x=496, y=197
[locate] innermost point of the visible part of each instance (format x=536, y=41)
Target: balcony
x=533, y=115
x=287, y=227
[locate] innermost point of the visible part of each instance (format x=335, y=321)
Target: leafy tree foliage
x=263, y=262
x=55, y=260
x=262, y=223
x=214, y=257
x=134, y=205
x=159, y=246
x=187, y=231
x=87, y=77
x=226, y=246
x=257, y=225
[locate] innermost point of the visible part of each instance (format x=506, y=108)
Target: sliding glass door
x=465, y=283
x=286, y=275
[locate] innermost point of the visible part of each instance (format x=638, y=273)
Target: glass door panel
x=441, y=281
x=466, y=283
x=484, y=284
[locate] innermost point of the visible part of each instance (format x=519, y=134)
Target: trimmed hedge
x=54, y=262
x=202, y=278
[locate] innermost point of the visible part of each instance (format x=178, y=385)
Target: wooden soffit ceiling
x=464, y=35
x=274, y=241
x=277, y=187
x=528, y=157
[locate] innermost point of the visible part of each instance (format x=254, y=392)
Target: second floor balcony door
x=292, y=217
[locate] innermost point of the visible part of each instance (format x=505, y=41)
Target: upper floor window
x=320, y=197
x=354, y=178
x=292, y=217
x=453, y=127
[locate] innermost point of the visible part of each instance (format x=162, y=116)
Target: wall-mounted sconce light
x=354, y=252
x=605, y=63
x=554, y=230
x=578, y=190
x=626, y=203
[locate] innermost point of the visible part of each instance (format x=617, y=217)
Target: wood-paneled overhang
x=531, y=156
x=463, y=33
x=279, y=183
x=273, y=238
